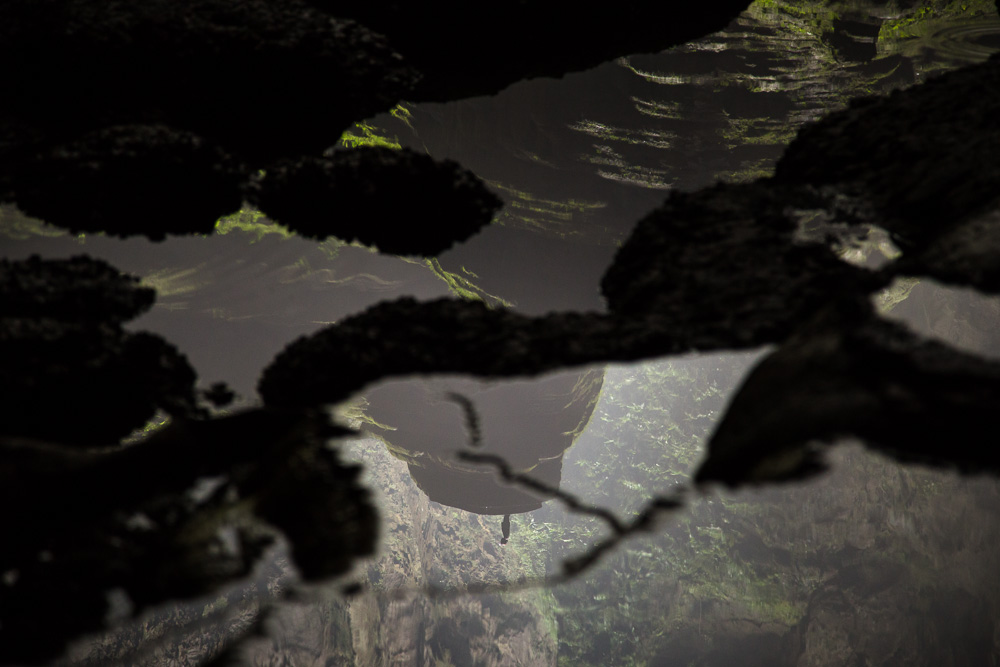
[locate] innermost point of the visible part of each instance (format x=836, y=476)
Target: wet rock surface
x=400, y=201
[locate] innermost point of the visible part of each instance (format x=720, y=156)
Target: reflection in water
x=947, y=41
x=873, y=564
x=530, y=424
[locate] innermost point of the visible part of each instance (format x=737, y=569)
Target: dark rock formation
x=71, y=373
x=263, y=79
x=405, y=337
x=720, y=267
x=530, y=425
x=925, y=158
x=128, y=180
x=465, y=50
x=665, y=289
x=155, y=87
x=136, y=520
x=318, y=504
x=139, y=520
x=401, y=201
x=850, y=374
x=968, y=254
x=78, y=290
x=715, y=269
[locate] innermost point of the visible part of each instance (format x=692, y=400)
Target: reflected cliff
x=529, y=424
x=467, y=558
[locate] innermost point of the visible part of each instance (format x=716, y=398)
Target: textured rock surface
x=79, y=289
x=721, y=268
x=395, y=622
x=924, y=157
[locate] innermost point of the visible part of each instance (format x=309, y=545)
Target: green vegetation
x=755, y=132
x=17, y=226
x=895, y=294
x=364, y=134
x=461, y=285
x=172, y=283
x=933, y=15
x=724, y=560
x=251, y=221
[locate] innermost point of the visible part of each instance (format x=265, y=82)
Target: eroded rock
x=406, y=337
x=967, y=254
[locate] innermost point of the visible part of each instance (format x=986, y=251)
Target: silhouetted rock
x=131, y=180
x=967, y=254
x=721, y=267
x=467, y=49
x=674, y=305
x=321, y=508
x=849, y=374
x=140, y=521
x=263, y=78
x=925, y=157
x=401, y=201
x=71, y=374
x=79, y=289
x=407, y=337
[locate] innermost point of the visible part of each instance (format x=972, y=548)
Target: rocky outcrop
x=417, y=609
x=64, y=350
x=432, y=204
x=464, y=50
x=128, y=180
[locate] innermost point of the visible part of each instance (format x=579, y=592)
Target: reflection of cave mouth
x=968, y=41
x=528, y=423
x=482, y=491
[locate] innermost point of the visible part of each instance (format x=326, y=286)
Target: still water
x=873, y=563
